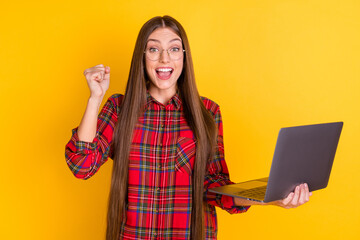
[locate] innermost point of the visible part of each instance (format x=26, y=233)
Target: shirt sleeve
x=218, y=174
x=85, y=158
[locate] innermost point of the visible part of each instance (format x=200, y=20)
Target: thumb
x=107, y=70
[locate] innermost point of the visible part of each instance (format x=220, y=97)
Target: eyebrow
x=155, y=40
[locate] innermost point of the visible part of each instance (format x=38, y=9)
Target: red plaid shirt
x=161, y=164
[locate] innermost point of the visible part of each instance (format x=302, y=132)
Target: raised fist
x=98, y=79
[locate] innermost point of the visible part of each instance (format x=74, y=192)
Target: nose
x=164, y=56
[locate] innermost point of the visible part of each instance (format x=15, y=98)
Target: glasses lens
x=175, y=53
x=154, y=54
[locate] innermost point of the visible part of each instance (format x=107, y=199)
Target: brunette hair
x=198, y=117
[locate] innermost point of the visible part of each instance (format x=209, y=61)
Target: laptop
x=303, y=154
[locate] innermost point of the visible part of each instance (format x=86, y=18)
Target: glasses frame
x=161, y=52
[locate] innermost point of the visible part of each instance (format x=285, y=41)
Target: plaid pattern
x=161, y=164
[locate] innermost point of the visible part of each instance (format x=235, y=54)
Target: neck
x=162, y=96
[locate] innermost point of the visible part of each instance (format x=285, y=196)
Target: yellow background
x=269, y=64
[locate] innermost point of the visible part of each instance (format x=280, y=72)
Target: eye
x=153, y=50
x=175, y=49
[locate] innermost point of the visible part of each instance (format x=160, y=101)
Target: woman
x=165, y=140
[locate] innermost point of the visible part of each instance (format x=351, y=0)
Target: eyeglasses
x=153, y=54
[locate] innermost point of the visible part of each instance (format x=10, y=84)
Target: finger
x=93, y=70
x=296, y=196
x=302, y=197
x=96, y=68
x=306, y=192
x=97, y=76
x=107, y=70
x=288, y=199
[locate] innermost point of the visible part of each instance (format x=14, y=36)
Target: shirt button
x=158, y=189
x=159, y=166
x=155, y=234
x=162, y=125
x=157, y=210
x=160, y=145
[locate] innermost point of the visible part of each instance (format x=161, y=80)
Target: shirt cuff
x=229, y=204
x=83, y=146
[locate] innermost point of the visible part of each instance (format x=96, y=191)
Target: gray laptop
x=303, y=154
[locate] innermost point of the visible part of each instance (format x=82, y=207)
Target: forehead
x=163, y=35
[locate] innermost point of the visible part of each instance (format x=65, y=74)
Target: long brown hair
x=199, y=119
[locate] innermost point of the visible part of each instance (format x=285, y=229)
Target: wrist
x=95, y=101
x=96, y=98
x=274, y=203
x=245, y=202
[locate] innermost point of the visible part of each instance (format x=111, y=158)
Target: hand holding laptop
x=300, y=196
x=295, y=199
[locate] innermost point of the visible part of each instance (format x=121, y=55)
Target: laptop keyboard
x=256, y=193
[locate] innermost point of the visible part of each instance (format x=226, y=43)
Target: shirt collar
x=176, y=100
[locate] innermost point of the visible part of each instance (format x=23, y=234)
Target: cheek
x=179, y=68
x=149, y=69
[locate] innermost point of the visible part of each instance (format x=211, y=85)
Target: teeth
x=163, y=69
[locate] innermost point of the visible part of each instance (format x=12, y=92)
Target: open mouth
x=164, y=73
